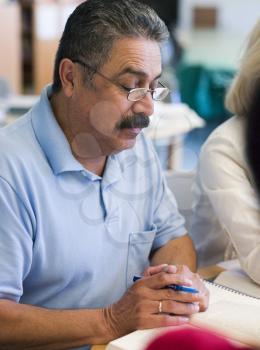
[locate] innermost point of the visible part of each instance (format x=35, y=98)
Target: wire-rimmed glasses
x=136, y=94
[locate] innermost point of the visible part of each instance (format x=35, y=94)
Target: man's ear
x=67, y=71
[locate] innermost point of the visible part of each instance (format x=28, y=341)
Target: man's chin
x=125, y=144
x=130, y=133
x=129, y=143
x=125, y=139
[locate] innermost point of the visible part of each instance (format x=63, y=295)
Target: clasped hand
x=148, y=303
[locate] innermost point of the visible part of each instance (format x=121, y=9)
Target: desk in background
x=168, y=126
x=17, y=105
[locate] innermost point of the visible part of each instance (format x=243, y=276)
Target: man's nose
x=144, y=106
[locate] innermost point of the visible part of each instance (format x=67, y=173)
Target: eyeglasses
x=136, y=94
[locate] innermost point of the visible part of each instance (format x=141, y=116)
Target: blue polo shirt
x=70, y=238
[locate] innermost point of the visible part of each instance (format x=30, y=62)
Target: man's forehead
x=137, y=72
x=137, y=56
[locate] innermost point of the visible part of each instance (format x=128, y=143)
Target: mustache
x=135, y=121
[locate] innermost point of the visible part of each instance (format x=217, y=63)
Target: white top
x=226, y=219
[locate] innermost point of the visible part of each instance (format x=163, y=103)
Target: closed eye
x=126, y=88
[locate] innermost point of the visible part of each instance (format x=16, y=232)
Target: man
x=84, y=205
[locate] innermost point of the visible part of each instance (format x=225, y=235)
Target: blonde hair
x=242, y=89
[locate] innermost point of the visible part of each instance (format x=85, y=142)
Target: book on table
x=236, y=278
x=232, y=312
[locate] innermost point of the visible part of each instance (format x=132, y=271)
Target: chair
x=180, y=183
x=210, y=246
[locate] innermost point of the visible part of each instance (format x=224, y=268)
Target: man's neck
x=81, y=146
x=96, y=166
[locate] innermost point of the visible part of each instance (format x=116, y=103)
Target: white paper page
x=236, y=320
x=219, y=293
x=237, y=279
x=234, y=315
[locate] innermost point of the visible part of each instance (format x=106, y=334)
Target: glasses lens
x=136, y=94
x=160, y=93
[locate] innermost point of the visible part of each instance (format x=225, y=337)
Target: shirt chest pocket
x=139, y=249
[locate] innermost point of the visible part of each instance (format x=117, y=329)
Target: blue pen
x=175, y=287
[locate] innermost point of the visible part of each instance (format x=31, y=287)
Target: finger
x=204, y=300
x=165, y=320
x=184, y=269
x=176, y=308
x=170, y=269
x=162, y=280
x=169, y=294
x=152, y=270
x=147, y=315
x=203, y=292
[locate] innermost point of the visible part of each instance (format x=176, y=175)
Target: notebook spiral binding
x=232, y=290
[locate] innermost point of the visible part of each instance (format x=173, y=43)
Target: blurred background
x=199, y=62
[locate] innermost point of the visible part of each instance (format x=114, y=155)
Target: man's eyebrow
x=129, y=70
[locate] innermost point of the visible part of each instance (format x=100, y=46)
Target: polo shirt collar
x=113, y=171
x=51, y=137
x=57, y=148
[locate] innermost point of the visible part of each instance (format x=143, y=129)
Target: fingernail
x=165, y=268
x=196, y=307
x=187, y=281
x=172, y=269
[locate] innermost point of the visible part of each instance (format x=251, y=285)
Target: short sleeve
x=15, y=243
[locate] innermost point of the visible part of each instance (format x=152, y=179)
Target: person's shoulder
x=232, y=129
x=225, y=146
x=16, y=139
x=229, y=135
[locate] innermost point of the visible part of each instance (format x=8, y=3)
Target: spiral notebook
x=238, y=278
x=231, y=313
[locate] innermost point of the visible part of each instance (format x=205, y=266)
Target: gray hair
x=242, y=90
x=94, y=26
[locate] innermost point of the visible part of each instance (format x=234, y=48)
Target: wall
x=221, y=47
x=46, y=38
x=234, y=15
x=10, y=43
